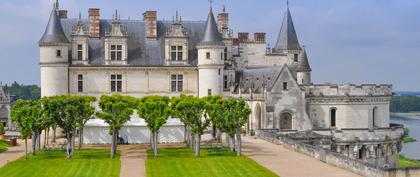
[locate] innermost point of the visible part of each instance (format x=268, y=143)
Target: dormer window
x=79, y=52
x=58, y=53
x=295, y=57
x=176, y=53
x=208, y=55
x=285, y=86
x=116, y=52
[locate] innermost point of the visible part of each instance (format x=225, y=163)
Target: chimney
x=243, y=37
x=62, y=14
x=150, y=18
x=222, y=20
x=259, y=37
x=235, y=41
x=94, y=22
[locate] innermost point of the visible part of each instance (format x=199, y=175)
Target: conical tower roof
x=211, y=33
x=303, y=63
x=287, y=39
x=54, y=33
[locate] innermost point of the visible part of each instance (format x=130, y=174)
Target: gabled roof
x=287, y=39
x=303, y=63
x=211, y=33
x=54, y=33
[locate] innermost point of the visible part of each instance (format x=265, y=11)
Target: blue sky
x=348, y=41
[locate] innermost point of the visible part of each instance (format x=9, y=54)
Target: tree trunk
x=68, y=146
x=73, y=141
x=112, y=144
x=227, y=140
x=213, y=133
x=152, y=144
x=80, y=138
x=238, y=141
x=197, y=145
x=39, y=140
x=34, y=136
x=26, y=148
x=193, y=140
x=48, y=135
x=232, y=142
x=45, y=138
x=155, y=139
x=185, y=135
x=54, y=134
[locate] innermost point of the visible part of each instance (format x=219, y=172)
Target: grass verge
x=181, y=162
x=85, y=163
x=3, y=145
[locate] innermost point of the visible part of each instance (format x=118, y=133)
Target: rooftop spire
x=303, y=63
x=287, y=39
x=211, y=33
x=54, y=33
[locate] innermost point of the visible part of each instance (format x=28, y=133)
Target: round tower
x=303, y=69
x=210, y=59
x=54, y=57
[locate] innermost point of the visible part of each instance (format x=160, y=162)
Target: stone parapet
x=326, y=90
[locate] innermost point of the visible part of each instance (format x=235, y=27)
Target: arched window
x=333, y=117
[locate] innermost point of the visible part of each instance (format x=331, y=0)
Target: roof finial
x=177, y=15
x=224, y=8
x=211, y=3
x=57, y=5
x=287, y=4
x=80, y=15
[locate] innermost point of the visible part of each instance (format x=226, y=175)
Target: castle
x=5, y=105
x=97, y=56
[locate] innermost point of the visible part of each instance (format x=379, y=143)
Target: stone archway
x=286, y=121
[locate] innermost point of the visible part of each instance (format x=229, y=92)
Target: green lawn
x=3, y=145
x=406, y=162
x=85, y=163
x=181, y=162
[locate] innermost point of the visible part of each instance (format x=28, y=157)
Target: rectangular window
x=209, y=92
x=225, y=82
x=208, y=55
x=116, y=52
x=79, y=52
x=285, y=86
x=295, y=57
x=80, y=83
x=177, y=82
x=176, y=53
x=58, y=53
x=116, y=83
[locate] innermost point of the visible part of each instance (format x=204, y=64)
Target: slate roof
x=257, y=78
x=303, y=63
x=54, y=32
x=141, y=52
x=287, y=39
x=211, y=33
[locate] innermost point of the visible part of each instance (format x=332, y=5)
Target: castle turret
x=210, y=59
x=303, y=69
x=54, y=58
x=287, y=41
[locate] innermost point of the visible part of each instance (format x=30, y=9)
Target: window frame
x=176, y=53
x=208, y=55
x=79, y=52
x=116, y=83
x=116, y=52
x=58, y=53
x=285, y=86
x=80, y=79
x=177, y=83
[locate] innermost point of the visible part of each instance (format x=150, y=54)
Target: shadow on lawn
x=78, y=154
x=183, y=152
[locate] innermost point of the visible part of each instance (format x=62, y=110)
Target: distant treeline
x=24, y=92
x=405, y=104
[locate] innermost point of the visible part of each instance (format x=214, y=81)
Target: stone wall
x=339, y=160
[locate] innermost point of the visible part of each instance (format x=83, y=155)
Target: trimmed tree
x=23, y=114
x=237, y=115
x=86, y=112
x=213, y=112
x=155, y=111
x=179, y=113
x=116, y=110
x=193, y=109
